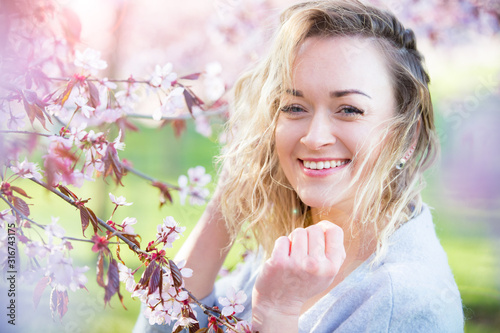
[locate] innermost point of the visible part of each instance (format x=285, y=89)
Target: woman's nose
x=319, y=133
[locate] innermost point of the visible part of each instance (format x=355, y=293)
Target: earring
x=400, y=165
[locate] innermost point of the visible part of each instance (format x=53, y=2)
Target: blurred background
x=461, y=45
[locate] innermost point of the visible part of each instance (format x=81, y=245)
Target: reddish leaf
x=100, y=270
x=133, y=239
x=40, y=287
x=202, y=330
x=196, y=326
x=155, y=280
x=113, y=285
x=21, y=205
x=194, y=76
x=58, y=303
x=179, y=329
x=84, y=217
x=112, y=165
x=67, y=192
x=93, y=220
x=147, y=273
x=94, y=95
x=65, y=95
x=191, y=99
x=176, y=274
x=179, y=126
x=20, y=191
x=164, y=192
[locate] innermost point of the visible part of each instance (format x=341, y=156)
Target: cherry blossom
x=232, y=304
x=54, y=230
x=119, y=201
x=127, y=225
x=81, y=102
x=90, y=60
x=194, y=186
x=169, y=231
x=243, y=327
x=127, y=277
x=163, y=76
x=27, y=169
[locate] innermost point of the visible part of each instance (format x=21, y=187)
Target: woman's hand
x=301, y=266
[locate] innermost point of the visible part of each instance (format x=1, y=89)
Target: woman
x=330, y=135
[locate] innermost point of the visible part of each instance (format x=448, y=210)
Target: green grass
x=472, y=254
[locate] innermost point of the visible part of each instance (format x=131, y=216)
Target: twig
x=114, y=232
x=26, y=132
x=24, y=217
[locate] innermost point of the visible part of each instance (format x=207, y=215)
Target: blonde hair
x=256, y=192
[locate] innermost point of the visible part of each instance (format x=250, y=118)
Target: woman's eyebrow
x=337, y=93
x=342, y=93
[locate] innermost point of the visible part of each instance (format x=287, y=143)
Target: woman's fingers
x=316, y=241
x=334, y=241
x=299, y=247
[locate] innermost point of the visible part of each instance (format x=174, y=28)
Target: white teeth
x=323, y=164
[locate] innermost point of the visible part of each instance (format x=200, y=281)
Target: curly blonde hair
x=257, y=194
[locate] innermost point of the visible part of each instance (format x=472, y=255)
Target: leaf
x=179, y=127
x=100, y=270
x=133, y=239
x=21, y=205
x=20, y=191
x=194, y=76
x=191, y=99
x=65, y=95
x=147, y=273
x=113, y=285
x=84, y=217
x=40, y=287
x=196, y=326
x=67, y=192
x=202, y=330
x=154, y=281
x=118, y=253
x=94, y=95
x=176, y=274
x=93, y=220
x=179, y=329
x=164, y=192
x=112, y=165
x=58, y=303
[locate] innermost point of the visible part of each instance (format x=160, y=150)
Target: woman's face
x=339, y=104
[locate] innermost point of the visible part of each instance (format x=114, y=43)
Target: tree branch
x=114, y=232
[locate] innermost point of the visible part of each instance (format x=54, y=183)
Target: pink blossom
x=185, y=272
x=90, y=60
x=119, y=201
x=54, y=230
x=127, y=277
x=27, y=169
x=194, y=186
x=232, y=304
x=169, y=231
x=163, y=76
x=81, y=102
x=171, y=105
x=127, y=225
x=243, y=327
x=100, y=243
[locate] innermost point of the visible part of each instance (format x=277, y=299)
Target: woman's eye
x=292, y=109
x=351, y=111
